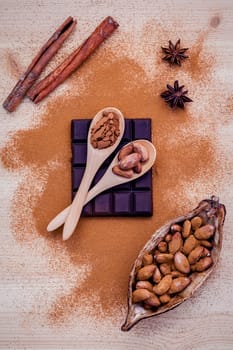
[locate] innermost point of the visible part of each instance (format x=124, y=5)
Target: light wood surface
x=206, y=321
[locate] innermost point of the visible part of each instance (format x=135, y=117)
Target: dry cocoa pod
x=144, y=285
x=189, y=244
x=157, y=275
x=165, y=269
x=146, y=272
x=140, y=295
x=179, y=284
x=186, y=228
x=204, y=232
x=163, y=258
x=196, y=222
x=175, y=244
x=213, y=213
x=162, y=247
x=195, y=254
x=163, y=286
x=165, y=298
x=147, y=259
x=153, y=301
x=181, y=263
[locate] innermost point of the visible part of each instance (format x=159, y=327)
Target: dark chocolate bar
x=131, y=199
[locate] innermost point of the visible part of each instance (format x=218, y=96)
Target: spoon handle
x=77, y=205
x=60, y=218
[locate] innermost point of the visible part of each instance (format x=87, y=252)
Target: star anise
x=174, y=54
x=175, y=96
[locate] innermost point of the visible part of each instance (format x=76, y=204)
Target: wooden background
x=206, y=321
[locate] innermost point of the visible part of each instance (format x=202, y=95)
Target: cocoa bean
x=165, y=298
x=175, y=244
x=147, y=259
x=125, y=151
x=176, y=228
x=157, y=275
x=204, y=232
x=144, y=285
x=163, y=285
x=189, y=244
x=179, y=284
x=196, y=222
x=165, y=269
x=186, y=228
x=153, y=301
x=164, y=258
x=195, y=254
x=146, y=272
x=203, y=264
x=162, y=247
x=181, y=263
x=140, y=295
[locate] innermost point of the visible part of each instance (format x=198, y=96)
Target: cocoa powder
x=185, y=171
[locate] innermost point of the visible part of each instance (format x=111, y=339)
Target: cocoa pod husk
x=212, y=212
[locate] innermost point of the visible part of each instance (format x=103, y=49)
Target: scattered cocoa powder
x=185, y=172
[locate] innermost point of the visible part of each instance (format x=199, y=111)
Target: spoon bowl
x=108, y=180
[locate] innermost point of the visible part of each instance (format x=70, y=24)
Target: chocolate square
x=131, y=199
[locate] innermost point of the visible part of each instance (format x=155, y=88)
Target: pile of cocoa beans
x=130, y=159
x=168, y=269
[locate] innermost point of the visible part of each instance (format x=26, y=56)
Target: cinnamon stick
x=72, y=62
x=44, y=55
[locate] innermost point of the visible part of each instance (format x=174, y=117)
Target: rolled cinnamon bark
x=72, y=62
x=38, y=64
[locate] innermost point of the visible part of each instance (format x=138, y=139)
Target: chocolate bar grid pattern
x=131, y=199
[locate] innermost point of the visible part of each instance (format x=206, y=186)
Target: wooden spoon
x=95, y=158
x=108, y=180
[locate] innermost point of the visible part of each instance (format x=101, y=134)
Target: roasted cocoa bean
x=179, y=284
x=142, y=150
x=165, y=269
x=144, y=285
x=165, y=298
x=146, y=272
x=175, y=244
x=196, y=222
x=189, y=244
x=195, y=254
x=147, y=259
x=203, y=264
x=181, y=263
x=164, y=258
x=153, y=301
x=176, y=228
x=168, y=237
x=186, y=228
x=204, y=232
x=130, y=161
x=125, y=151
x=140, y=295
x=157, y=275
x=125, y=173
x=162, y=247
x=163, y=286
